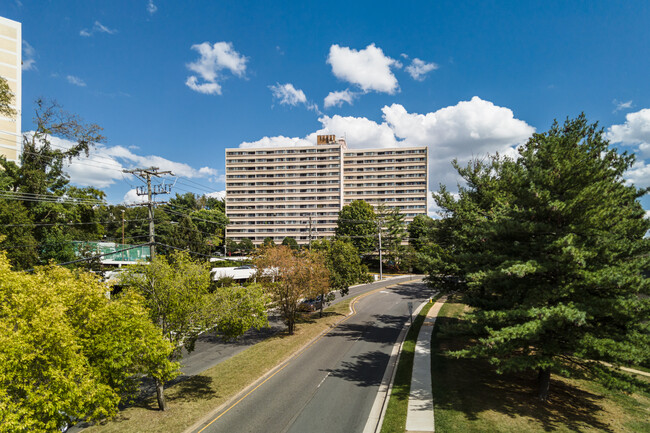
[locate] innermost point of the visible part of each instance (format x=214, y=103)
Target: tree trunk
x=544, y=379
x=160, y=394
x=291, y=324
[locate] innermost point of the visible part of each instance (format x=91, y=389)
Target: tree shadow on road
x=367, y=369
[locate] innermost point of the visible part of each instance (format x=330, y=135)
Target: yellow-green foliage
x=67, y=351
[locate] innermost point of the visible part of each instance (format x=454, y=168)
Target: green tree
x=357, y=222
x=246, y=246
x=67, y=351
x=176, y=289
x=41, y=177
x=289, y=277
x=290, y=242
x=177, y=293
x=420, y=231
x=551, y=251
x=268, y=242
x=343, y=263
x=394, y=234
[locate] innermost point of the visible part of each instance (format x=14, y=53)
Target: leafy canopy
x=357, y=223
x=550, y=252
x=67, y=351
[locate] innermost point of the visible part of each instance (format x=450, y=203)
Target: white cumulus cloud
x=218, y=194
x=132, y=197
x=104, y=165
x=368, y=68
x=635, y=131
x=419, y=68
x=286, y=94
x=214, y=59
x=336, y=99
x=463, y=131
x=151, y=7
x=278, y=141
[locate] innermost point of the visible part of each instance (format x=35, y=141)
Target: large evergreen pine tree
x=551, y=251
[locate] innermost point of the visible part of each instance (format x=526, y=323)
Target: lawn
x=192, y=399
x=395, y=417
x=470, y=397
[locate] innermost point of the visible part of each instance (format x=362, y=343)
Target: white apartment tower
x=298, y=191
x=10, y=70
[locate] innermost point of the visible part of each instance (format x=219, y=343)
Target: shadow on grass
x=194, y=388
x=471, y=387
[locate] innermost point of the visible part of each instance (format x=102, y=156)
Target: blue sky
x=175, y=83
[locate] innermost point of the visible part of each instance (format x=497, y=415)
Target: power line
x=72, y=224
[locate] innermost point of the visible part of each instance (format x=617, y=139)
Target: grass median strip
x=395, y=418
x=191, y=399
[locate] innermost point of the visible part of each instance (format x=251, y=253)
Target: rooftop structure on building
x=298, y=192
x=11, y=71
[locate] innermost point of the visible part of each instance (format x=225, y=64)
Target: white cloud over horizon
x=214, y=59
x=105, y=164
x=463, y=131
x=369, y=68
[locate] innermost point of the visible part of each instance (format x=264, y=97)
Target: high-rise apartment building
x=10, y=70
x=298, y=191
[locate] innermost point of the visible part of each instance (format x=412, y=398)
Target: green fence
x=86, y=249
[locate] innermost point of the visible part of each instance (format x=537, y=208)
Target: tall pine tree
x=551, y=251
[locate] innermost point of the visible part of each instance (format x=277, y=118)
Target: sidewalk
x=420, y=409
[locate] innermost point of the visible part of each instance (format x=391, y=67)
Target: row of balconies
x=282, y=151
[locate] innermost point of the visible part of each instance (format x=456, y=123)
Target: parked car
x=310, y=305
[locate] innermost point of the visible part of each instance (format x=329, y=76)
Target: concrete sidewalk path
x=420, y=409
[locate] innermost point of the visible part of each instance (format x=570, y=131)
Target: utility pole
x=145, y=174
x=309, y=232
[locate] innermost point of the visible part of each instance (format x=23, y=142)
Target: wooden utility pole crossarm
x=146, y=174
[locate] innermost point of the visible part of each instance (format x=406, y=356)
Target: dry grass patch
x=193, y=398
x=470, y=397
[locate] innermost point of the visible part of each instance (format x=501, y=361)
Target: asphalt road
x=211, y=350
x=331, y=385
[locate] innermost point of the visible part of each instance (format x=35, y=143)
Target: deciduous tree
x=290, y=277
x=67, y=351
x=357, y=222
x=177, y=293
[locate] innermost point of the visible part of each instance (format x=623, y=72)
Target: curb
x=378, y=411
x=260, y=381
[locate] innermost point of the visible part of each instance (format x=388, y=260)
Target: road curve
x=331, y=385
x=210, y=350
